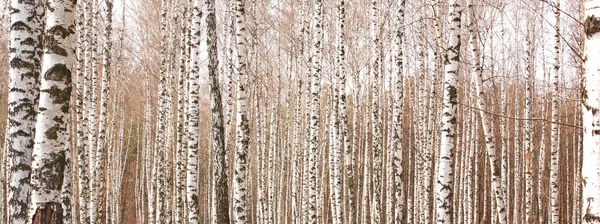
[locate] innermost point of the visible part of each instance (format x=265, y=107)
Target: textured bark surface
x=443, y=186
x=220, y=188
x=490, y=144
x=315, y=90
x=25, y=32
x=98, y=166
x=240, y=166
x=82, y=113
x=193, y=110
x=398, y=72
x=590, y=170
x=51, y=153
x=181, y=150
x=554, y=137
x=374, y=69
x=528, y=142
x=93, y=109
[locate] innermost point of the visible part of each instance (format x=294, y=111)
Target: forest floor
x=128, y=196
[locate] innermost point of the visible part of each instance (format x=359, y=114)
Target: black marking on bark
x=591, y=25
x=20, y=63
x=51, y=42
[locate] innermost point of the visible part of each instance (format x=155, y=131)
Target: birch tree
x=98, y=167
x=51, y=154
x=375, y=115
x=240, y=166
x=194, y=88
x=315, y=89
x=82, y=114
x=554, y=144
x=339, y=120
x=477, y=75
x=443, y=186
x=24, y=71
x=398, y=66
x=590, y=169
x=220, y=188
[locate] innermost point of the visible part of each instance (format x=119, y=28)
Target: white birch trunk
x=240, y=184
x=181, y=149
x=490, y=144
x=51, y=154
x=554, y=137
x=193, y=110
x=374, y=68
x=92, y=128
x=315, y=90
x=24, y=72
x=443, y=186
x=527, y=144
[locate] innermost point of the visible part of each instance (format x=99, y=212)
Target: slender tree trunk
x=179, y=215
x=240, y=184
x=92, y=135
x=375, y=62
x=339, y=119
x=443, y=187
x=99, y=168
x=193, y=110
x=554, y=137
x=490, y=144
x=527, y=144
x=315, y=112
x=398, y=104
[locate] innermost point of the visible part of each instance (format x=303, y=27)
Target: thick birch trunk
x=51, y=154
x=24, y=72
x=220, y=187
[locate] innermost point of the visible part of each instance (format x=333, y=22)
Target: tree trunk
x=193, y=110
x=24, y=72
x=220, y=188
x=240, y=184
x=397, y=149
x=51, y=153
x=443, y=187
x=315, y=112
x=554, y=146
x=490, y=143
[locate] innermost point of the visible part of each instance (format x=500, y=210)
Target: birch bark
x=554, y=137
x=51, y=154
x=193, y=110
x=315, y=111
x=490, y=144
x=220, y=188
x=240, y=184
x=443, y=186
x=23, y=93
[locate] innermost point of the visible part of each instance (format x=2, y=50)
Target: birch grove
x=312, y=111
